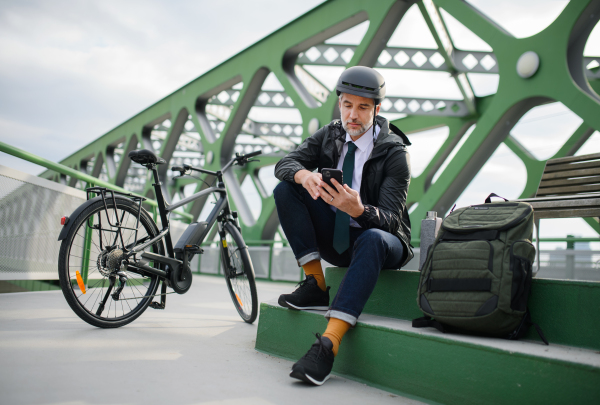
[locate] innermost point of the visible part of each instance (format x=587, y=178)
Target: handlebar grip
x=251, y=154
x=177, y=169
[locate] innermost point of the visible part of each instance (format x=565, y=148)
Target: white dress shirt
x=364, y=147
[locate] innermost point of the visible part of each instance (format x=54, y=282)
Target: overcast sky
x=71, y=70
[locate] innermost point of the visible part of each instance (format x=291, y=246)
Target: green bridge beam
x=208, y=118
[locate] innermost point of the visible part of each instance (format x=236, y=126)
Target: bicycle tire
x=86, y=241
x=242, y=286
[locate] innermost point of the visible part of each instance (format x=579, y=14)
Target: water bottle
x=429, y=230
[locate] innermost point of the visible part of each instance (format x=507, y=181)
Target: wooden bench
x=569, y=188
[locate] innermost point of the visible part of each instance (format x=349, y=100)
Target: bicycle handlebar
x=252, y=154
x=238, y=158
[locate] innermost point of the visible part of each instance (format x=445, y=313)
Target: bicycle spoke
x=84, y=251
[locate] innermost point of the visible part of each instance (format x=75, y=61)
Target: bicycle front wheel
x=96, y=287
x=240, y=275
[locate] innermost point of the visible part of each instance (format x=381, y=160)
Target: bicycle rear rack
x=103, y=191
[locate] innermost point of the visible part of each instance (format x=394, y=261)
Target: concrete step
x=430, y=366
x=567, y=311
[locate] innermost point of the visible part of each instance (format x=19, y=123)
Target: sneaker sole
x=282, y=302
x=306, y=378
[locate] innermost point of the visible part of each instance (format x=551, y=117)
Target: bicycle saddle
x=145, y=156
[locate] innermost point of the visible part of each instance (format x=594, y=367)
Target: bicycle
x=113, y=255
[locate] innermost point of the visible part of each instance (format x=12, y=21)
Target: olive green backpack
x=477, y=275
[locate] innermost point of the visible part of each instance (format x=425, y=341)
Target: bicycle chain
x=146, y=296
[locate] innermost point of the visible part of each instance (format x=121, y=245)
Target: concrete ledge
x=567, y=311
x=428, y=365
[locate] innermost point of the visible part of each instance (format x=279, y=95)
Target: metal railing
x=91, y=181
x=31, y=207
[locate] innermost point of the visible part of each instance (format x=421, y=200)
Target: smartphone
x=329, y=174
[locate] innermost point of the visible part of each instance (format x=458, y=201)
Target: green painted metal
x=432, y=368
x=65, y=170
x=10, y=286
x=87, y=246
x=563, y=309
x=515, y=96
x=561, y=77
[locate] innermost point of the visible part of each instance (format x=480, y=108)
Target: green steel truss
x=207, y=120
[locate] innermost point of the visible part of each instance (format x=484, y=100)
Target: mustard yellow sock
x=336, y=329
x=313, y=268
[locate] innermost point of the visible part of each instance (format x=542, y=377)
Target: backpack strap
x=427, y=321
x=524, y=326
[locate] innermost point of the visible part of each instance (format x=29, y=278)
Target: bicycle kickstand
x=163, y=298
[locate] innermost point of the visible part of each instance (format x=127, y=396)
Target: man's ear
x=377, y=109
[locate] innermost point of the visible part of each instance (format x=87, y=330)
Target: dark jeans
x=308, y=225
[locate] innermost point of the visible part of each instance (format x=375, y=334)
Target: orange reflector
x=224, y=243
x=80, y=282
x=239, y=300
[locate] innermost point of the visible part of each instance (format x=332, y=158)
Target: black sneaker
x=307, y=296
x=315, y=366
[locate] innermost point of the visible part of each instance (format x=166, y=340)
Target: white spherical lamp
x=528, y=64
x=313, y=126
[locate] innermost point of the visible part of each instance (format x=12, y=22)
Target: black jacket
x=385, y=180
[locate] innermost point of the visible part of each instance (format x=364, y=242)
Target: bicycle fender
x=67, y=227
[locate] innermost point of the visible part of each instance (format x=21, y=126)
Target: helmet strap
x=374, y=119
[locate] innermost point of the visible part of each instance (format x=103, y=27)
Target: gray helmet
x=362, y=81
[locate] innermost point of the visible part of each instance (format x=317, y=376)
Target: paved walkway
x=197, y=351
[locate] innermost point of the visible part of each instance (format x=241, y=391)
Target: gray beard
x=354, y=132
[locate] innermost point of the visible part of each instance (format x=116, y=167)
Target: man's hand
x=310, y=181
x=344, y=198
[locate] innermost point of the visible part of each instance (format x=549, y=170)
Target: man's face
x=357, y=113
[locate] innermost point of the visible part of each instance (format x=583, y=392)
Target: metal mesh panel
x=209, y=261
x=30, y=212
x=260, y=256
x=284, y=265
x=569, y=264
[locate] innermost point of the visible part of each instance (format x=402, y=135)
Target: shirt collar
x=364, y=141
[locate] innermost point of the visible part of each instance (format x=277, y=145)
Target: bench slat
x=586, y=188
x=577, y=197
x=571, y=166
x=568, y=188
x=558, y=204
x=571, y=173
x=569, y=182
x=567, y=213
x=583, y=158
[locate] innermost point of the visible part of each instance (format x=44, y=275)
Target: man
x=362, y=224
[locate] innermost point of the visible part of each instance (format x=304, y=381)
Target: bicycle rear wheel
x=89, y=264
x=240, y=275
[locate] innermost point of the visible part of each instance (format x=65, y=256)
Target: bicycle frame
x=220, y=212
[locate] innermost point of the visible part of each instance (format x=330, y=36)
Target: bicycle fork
x=229, y=271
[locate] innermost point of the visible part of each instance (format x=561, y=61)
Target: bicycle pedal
x=156, y=305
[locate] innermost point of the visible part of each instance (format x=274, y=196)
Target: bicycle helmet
x=362, y=81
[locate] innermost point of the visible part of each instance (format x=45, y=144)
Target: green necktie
x=341, y=232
